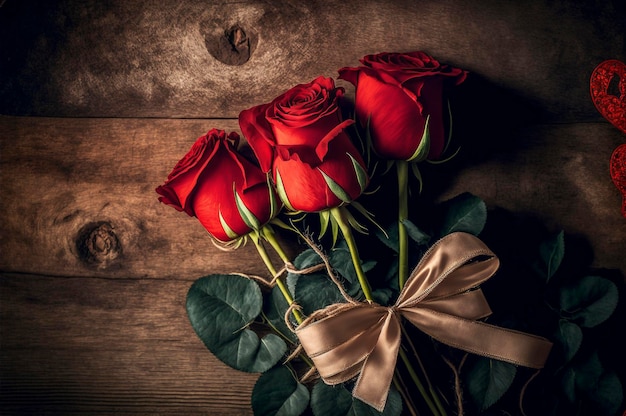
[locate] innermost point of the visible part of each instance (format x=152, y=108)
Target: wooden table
x=99, y=101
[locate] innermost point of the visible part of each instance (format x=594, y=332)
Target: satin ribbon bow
x=440, y=298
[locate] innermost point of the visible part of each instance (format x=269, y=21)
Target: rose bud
x=401, y=97
x=228, y=194
x=300, y=138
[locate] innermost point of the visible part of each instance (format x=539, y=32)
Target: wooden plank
x=113, y=337
x=167, y=58
x=60, y=176
x=103, y=346
x=558, y=174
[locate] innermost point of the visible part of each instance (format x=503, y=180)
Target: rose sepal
x=335, y=188
x=421, y=152
x=448, y=141
x=246, y=215
x=361, y=174
x=325, y=220
x=229, y=231
x=280, y=189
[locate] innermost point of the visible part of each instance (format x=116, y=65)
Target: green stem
x=402, y=169
x=279, y=283
x=419, y=385
x=435, y=396
x=431, y=389
x=338, y=215
x=397, y=381
x=268, y=234
x=267, y=321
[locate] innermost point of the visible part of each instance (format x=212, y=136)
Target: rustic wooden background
x=98, y=100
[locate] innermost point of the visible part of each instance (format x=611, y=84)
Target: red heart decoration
x=618, y=172
x=612, y=107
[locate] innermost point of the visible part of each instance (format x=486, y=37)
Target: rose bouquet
x=379, y=304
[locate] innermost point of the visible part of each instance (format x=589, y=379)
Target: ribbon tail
x=480, y=338
x=372, y=386
x=512, y=346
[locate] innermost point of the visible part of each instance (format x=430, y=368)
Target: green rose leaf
x=330, y=400
x=338, y=401
x=316, y=291
x=415, y=233
x=570, y=336
x=607, y=394
x=464, y=212
x=589, y=302
x=304, y=260
x=383, y=295
x=341, y=260
x=389, y=237
x=488, y=380
x=589, y=382
x=391, y=277
x=278, y=393
x=220, y=308
x=551, y=253
x=568, y=384
x=275, y=308
x=307, y=258
x=588, y=372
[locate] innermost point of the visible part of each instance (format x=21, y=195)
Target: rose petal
x=396, y=128
x=321, y=150
x=258, y=132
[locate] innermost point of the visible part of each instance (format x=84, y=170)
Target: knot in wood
x=237, y=38
x=97, y=243
x=233, y=47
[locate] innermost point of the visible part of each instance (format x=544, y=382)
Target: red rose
x=300, y=137
x=397, y=92
x=226, y=192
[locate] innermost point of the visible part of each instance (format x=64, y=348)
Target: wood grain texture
x=113, y=337
x=137, y=82
x=101, y=346
x=137, y=59
x=60, y=177
x=558, y=174
x=56, y=182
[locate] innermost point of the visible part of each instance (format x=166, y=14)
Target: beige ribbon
x=440, y=298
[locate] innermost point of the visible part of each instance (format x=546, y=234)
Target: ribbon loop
x=440, y=298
